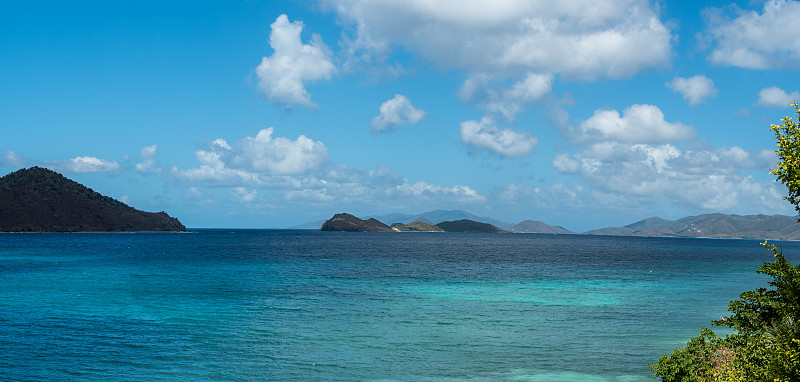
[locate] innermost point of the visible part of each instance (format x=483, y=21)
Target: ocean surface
x=272, y=305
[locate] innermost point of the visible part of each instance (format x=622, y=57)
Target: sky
x=270, y=114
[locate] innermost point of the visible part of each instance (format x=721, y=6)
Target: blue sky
x=268, y=114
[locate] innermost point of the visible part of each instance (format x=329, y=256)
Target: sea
x=296, y=305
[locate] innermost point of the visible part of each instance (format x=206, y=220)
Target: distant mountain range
x=722, y=226
x=718, y=225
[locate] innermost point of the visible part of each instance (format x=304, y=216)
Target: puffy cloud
x=11, y=159
x=396, y=112
x=256, y=161
x=566, y=165
x=777, y=97
x=638, y=124
x=585, y=39
x=508, y=102
x=708, y=179
x=148, y=162
x=756, y=40
x=81, y=165
x=298, y=171
x=283, y=75
x=695, y=89
x=281, y=156
x=641, y=160
x=506, y=142
x=240, y=194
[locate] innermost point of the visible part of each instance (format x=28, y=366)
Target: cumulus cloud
x=283, y=75
x=86, y=164
x=148, y=155
x=637, y=124
x=241, y=195
x=508, y=102
x=703, y=179
x=12, y=159
x=396, y=112
x=756, y=40
x=586, y=40
x=640, y=159
x=281, y=156
x=258, y=160
x=566, y=165
x=777, y=97
x=695, y=89
x=484, y=134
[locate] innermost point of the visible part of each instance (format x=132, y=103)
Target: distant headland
x=41, y=200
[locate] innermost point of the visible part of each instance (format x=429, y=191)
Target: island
x=349, y=223
x=345, y=222
x=416, y=226
x=41, y=200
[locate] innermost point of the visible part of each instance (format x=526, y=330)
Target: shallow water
x=306, y=305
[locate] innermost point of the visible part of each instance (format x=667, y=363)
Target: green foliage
x=788, y=168
x=766, y=343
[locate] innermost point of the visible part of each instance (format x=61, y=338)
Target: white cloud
x=642, y=160
x=638, y=124
x=280, y=156
x=506, y=142
x=565, y=165
x=756, y=40
x=708, y=179
x=241, y=195
x=283, y=75
x=148, y=154
x=532, y=87
x=695, y=89
x=256, y=161
x=11, y=159
x=396, y=112
x=481, y=89
x=585, y=40
x=777, y=97
x=87, y=164
x=425, y=190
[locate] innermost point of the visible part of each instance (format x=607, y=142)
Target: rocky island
x=349, y=223
x=41, y=200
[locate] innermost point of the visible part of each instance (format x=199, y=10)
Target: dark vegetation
x=417, y=226
x=41, y=200
x=465, y=225
x=349, y=223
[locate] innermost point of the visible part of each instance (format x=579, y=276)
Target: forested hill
x=41, y=200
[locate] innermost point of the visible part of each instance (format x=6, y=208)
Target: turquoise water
x=319, y=306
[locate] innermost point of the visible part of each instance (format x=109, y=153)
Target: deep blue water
x=270, y=305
